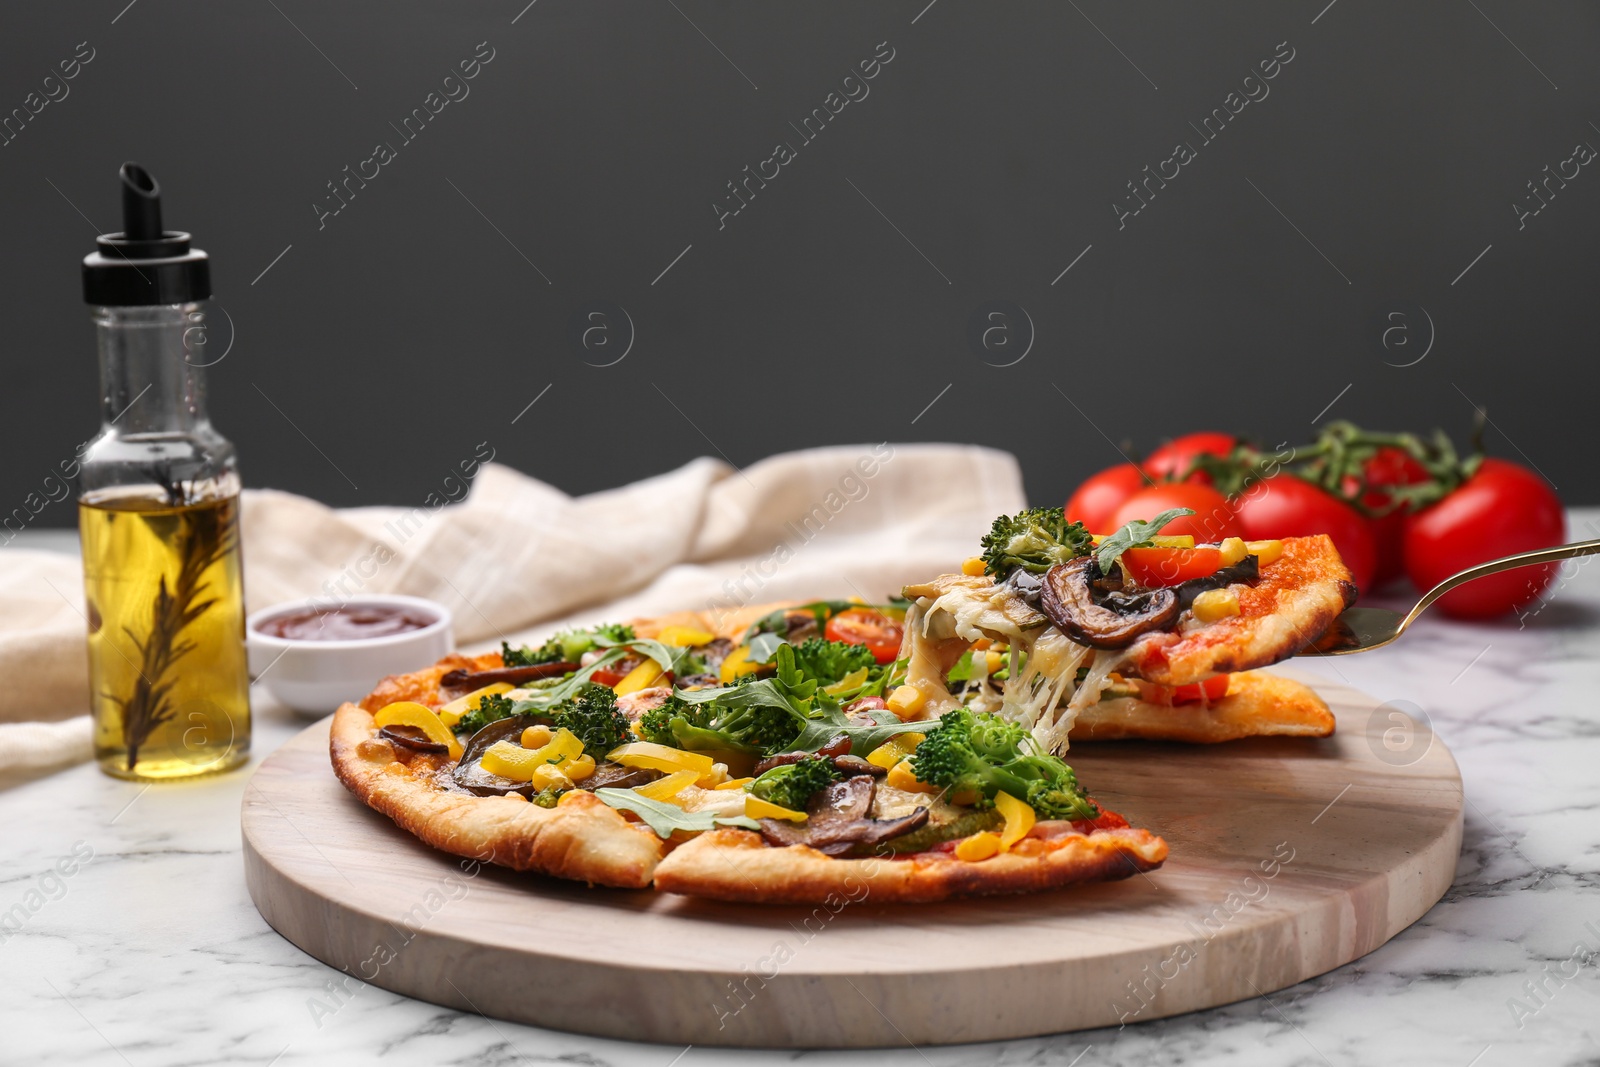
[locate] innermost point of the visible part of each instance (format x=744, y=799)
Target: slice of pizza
x=756, y=757
x=1133, y=635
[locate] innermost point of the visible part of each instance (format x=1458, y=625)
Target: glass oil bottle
x=158, y=514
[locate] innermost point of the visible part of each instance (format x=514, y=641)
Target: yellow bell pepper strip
x=514, y=761
x=902, y=777
x=667, y=788
x=684, y=637
x=733, y=783
x=756, y=808
x=650, y=756
x=451, y=713
x=1019, y=819
x=736, y=664
x=410, y=713
x=980, y=846
x=848, y=684
x=894, y=750
x=647, y=674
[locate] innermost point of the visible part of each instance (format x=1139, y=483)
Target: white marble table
x=150, y=952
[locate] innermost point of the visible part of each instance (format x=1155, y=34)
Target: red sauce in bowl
x=352, y=622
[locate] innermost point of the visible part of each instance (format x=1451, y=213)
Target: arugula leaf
x=788, y=688
x=664, y=818
x=828, y=721
x=565, y=690
x=778, y=621
x=764, y=646
x=1135, y=534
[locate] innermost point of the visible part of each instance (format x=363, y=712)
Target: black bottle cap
x=144, y=264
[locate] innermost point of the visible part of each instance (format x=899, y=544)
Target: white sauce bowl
x=315, y=677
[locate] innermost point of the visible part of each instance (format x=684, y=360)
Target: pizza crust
x=1257, y=704
x=583, y=839
x=580, y=838
x=736, y=865
x=1295, y=600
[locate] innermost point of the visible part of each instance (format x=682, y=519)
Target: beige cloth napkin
x=516, y=557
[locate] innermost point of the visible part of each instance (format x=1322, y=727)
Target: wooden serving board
x=1289, y=858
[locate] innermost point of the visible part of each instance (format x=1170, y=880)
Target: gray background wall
x=1252, y=293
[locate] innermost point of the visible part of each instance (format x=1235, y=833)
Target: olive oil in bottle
x=165, y=607
x=158, y=514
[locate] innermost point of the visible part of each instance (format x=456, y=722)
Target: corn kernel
x=906, y=700
x=1233, y=550
x=902, y=777
x=994, y=661
x=973, y=567
x=548, y=776
x=1266, y=551
x=1215, y=604
x=536, y=736
x=580, y=768
x=979, y=846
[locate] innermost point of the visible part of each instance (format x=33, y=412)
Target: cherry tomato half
x=1169, y=462
x=863, y=626
x=1387, y=467
x=1209, y=691
x=1098, y=498
x=1171, y=566
x=1211, y=522
x=1286, y=506
x=612, y=673
x=1503, y=508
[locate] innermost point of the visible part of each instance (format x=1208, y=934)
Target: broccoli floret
x=1035, y=540
x=567, y=646
x=549, y=652
x=985, y=755
x=792, y=784
x=831, y=661
x=757, y=729
x=593, y=716
x=490, y=709
x=546, y=798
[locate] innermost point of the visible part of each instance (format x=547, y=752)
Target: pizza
x=796, y=753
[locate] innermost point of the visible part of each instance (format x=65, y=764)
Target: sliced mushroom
x=837, y=821
x=837, y=750
x=1106, y=620
x=470, y=775
x=838, y=745
x=411, y=737
x=1246, y=571
x=461, y=678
